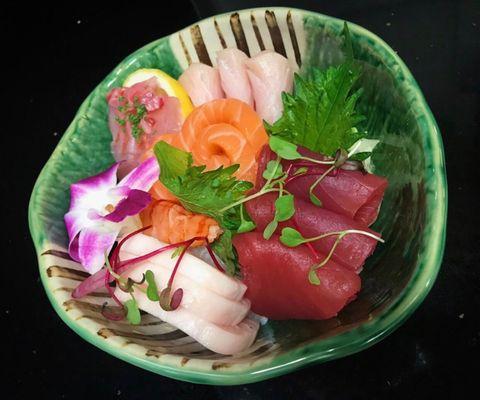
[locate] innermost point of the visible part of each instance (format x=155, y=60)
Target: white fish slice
x=270, y=74
x=197, y=299
x=202, y=83
x=220, y=339
x=233, y=75
x=191, y=267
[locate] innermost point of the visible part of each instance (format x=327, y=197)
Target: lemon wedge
x=166, y=82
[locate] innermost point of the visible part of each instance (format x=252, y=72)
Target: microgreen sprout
x=284, y=210
x=341, y=157
x=246, y=225
x=177, y=251
x=152, y=290
x=289, y=151
x=114, y=267
x=291, y=237
x=133, y=313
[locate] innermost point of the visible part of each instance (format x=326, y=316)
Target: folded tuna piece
x=233, y=75
x=197, y=299
x=190, y=267
x=202, y=83
x=311, y=221
x=220, y=339
x=278, y=285
x=354, y=194
x=270, y=74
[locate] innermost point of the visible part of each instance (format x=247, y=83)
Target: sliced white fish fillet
x=196, y=299
x=220, y=339
x=233, y=75
x=191, y=267
x=270, y=74
x=202, y=83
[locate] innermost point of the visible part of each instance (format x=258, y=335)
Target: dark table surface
x=55, y=55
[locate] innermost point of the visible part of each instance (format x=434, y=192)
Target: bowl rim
x=369, y=332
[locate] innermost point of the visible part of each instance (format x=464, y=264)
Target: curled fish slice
x=191, y=267
x=172, y=223
x=202, y=83
x=270, y=74
x=220, y=339
x=197, y=299
x=233, y=75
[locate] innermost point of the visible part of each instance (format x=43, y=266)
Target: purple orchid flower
x=101, y=208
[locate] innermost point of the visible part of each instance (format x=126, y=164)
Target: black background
x=55, y=55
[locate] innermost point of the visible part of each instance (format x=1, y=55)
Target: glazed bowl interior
x=412, y=217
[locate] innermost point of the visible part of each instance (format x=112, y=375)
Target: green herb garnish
x=321, y=114
x=284, y=210
x=292, y=238
x=200, y=191
x=177, y=251
x=283, y=148
x=246, y=225
x=133, y=313
x=273, y=170
x=223, y=247
x=152, y=290
x=213, y=193
x=133, y=114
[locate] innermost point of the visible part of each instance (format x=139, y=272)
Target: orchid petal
x=120, y=191
x=100, y=182
x=73, y=225
x=135, y=202
x=142, y=177
x=75, y=221
x=91, y=233
x=91, y=246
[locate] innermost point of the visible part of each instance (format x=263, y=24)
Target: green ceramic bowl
x=412, y=219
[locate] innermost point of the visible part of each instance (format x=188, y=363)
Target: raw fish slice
x=233, y=75
x=163, y=116
x=197, y=299
x=222, y=132
x=278, y=285
x=352, y=193
x=202, y=83
x=192, y=267
x=220, y=339
x=270, y=74
x=368, y=213
x=311, y=221
x=172, y=223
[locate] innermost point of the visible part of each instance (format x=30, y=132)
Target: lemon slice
x=166, y=82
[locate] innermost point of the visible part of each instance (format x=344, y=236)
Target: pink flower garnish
x=100, y=207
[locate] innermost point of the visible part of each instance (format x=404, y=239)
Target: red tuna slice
x=277, y=280
x=367, y=214
x=163, y=115
x=311, y=220
x=352, y=193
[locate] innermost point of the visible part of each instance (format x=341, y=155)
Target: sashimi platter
x=228, y=198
